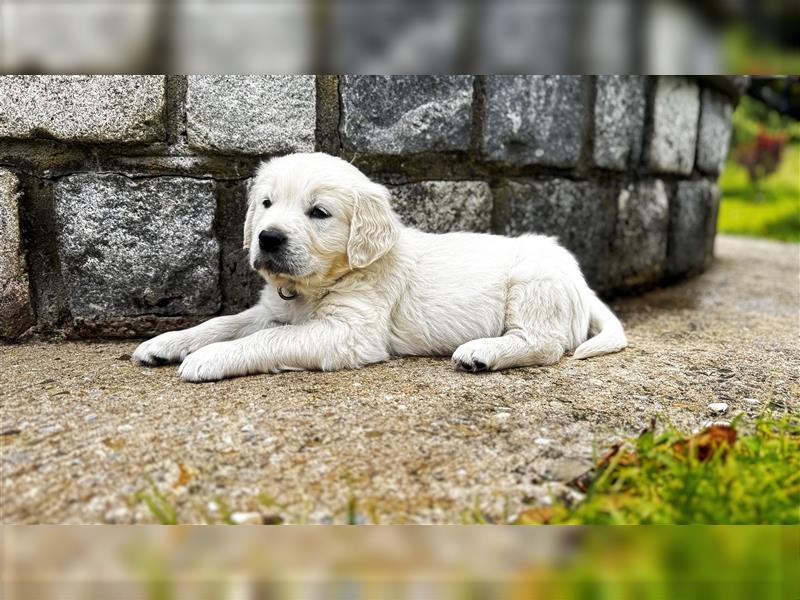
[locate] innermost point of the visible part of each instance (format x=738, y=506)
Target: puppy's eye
x=319, y=213
x=267, y=203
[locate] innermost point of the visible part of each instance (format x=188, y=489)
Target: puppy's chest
x=295, y=311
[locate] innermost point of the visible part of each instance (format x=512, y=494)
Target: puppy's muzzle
x=271, y=241
x=274, y=253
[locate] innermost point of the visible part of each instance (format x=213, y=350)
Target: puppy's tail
x=610, y=336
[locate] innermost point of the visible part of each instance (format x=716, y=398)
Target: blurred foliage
x=761, y=181
x=763, y=155
x=714, y=477
x=770, y=208
x=752, y=117
x=746, y=52
x=684, y=562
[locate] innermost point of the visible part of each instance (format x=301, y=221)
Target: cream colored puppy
x=348, y=285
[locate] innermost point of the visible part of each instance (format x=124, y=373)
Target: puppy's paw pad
x=153, y=361
x=194, y=370
x=472, y=366
x=161, y=350
x=211, y=363
x=472, y=357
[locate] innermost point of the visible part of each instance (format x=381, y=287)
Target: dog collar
x=284, y=296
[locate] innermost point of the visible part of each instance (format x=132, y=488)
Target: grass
x=715, y=477
x=769, y=209
x=158, y=504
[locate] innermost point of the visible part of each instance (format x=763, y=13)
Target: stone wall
x=122, y=197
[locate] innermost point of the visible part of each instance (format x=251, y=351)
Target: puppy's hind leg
x=510, y=350
x=540, y=328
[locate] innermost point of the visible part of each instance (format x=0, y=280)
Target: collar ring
x=285, y=296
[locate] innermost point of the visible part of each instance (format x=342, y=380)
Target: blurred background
x=434, y=36
x=402, y=562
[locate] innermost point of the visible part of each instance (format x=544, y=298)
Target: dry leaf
x=708, y=442
x=628, y=458
x=183, y=476
x=540, y=515
x=114, y=444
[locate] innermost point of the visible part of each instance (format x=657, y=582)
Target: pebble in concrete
x=246, y=518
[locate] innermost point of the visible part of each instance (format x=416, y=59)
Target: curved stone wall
x=122, y=197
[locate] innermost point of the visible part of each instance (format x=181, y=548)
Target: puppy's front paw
x=170, y=347
x=212, y=363
x=472, y=357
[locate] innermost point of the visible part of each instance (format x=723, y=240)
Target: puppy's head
x=313, y=217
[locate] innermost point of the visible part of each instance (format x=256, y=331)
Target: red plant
x=762, y=155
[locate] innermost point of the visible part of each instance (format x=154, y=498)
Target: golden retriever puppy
x=349, y=285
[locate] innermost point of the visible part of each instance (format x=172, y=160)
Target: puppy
x=348, y=285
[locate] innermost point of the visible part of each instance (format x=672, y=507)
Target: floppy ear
x=373, y=228
x=248, y=220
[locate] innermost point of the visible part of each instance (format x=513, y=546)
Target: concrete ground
x=83, y=429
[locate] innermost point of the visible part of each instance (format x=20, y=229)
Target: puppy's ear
x=374, y=227
x=248, y=220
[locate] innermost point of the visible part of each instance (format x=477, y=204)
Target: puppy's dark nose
x=271, y=240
